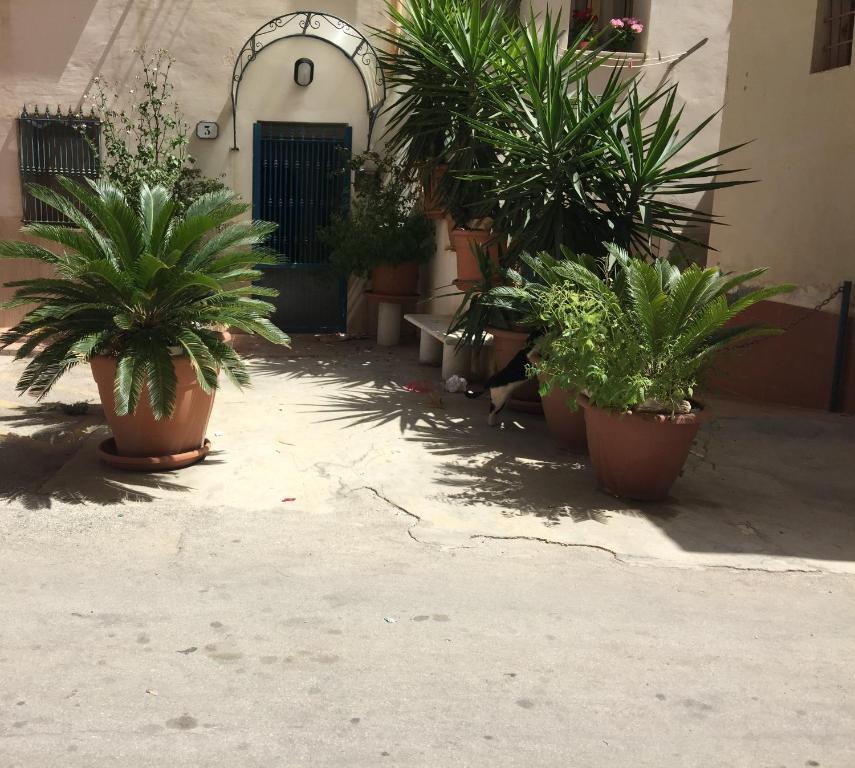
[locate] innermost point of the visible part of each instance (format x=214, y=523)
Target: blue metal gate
x=298, y=183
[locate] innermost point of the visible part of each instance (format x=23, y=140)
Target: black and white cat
x=503, y=383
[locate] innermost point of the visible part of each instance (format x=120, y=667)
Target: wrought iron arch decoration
x=328, y=29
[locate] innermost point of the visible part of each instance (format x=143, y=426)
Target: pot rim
x=508, y=332
x=699, y=413
x=174, y=351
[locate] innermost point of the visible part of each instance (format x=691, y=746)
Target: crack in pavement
x=543, y=540
x=654, y=562
x=631, y=561
x=400, y=509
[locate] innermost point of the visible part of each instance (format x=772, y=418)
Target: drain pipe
x=840, y=350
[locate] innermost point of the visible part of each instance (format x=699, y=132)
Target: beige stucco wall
x=798, y=220
x=51, y=49
x=696, y=31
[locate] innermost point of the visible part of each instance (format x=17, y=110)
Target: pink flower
x=617, y=23
x=637, y=28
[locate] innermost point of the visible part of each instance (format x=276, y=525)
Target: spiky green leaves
x=639, y=331
x=579, y=165
x=133, y=283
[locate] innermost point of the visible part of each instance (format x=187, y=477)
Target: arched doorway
x=301, y=139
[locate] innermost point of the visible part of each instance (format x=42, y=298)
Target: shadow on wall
x=698, y=252
x=56, y=25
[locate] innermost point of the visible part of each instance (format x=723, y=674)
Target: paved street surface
x=360, y=575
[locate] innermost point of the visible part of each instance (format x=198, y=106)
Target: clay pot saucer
x=107, y=454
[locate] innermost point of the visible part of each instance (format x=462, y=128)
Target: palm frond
x=133, y=282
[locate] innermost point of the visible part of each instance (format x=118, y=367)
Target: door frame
x=341, y=326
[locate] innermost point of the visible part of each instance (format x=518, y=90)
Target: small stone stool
x=389, y=311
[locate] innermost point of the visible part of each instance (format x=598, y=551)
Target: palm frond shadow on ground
x=37, y=441
x=514, y=468
x=378, y=407
x=349, y=363
x=728, y=500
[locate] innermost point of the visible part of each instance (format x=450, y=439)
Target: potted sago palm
x=139, y=294
x=630, y=348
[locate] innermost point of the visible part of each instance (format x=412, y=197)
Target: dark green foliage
x=191, y=185
x=80, y=408
x=480, y=310
x=445, y=53
x=580, y=168
x=139, y=283
x=384, y=224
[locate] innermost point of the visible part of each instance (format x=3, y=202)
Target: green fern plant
x=141, y=284
x=640, y=335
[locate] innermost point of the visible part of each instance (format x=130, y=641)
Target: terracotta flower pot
x=639, y=455
x=395, y=279
x=139, y=434
x=432, y=202
x=464, y=242
x=566, y=426
x=506, y=344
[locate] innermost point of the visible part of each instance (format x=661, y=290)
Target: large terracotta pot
x=464, y=242
x=395, y=279
x=639, y=455
x=566, y=426
x=140, y=434
x=433, y=205
x=506, y=344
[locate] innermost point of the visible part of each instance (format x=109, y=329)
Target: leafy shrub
x=383, y=225
x=191, y=185
x=145, y=135
x=630, y=333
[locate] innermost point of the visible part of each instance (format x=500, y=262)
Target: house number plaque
x=207, y=130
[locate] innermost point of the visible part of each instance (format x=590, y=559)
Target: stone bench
x=437, y=345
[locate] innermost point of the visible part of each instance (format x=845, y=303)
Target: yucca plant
x=577, y=166
x=633, y=333
x=141, y=284
x=442, y=54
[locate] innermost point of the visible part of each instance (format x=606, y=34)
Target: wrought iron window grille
x=52, y=145
x=834, y=34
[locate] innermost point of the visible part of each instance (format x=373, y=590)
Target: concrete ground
x=361, y=575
